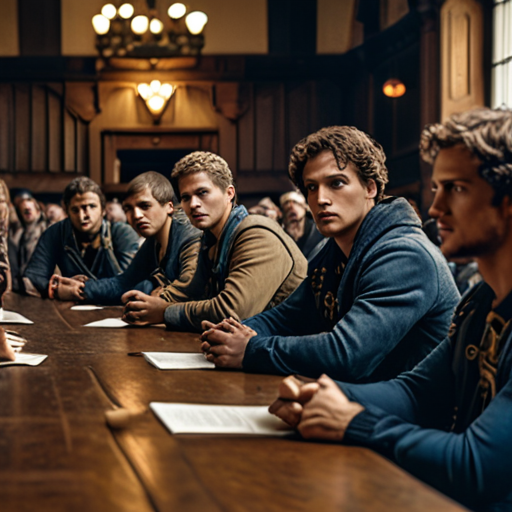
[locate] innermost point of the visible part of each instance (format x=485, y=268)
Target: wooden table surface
x=58, y=454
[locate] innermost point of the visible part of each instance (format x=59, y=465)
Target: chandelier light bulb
x=155, y=85
x=109, y=11
x=100, y=24
x=140, y=25
x=126, y=11
x=144, y=91
x=195, y=22
x=177, y=11
x=156, y=103
x=166, y=91
x=156, y=26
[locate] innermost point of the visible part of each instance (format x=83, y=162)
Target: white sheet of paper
x=219, y=419
x=85, y=307
x=177, y=361
x=24, y=359
x=108, y=322
x=11, y=317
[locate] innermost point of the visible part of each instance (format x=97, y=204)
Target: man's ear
x=170, y=208
x=371, y=189
x=230, y=191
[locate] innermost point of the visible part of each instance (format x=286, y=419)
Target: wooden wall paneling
x=39, y=124
x=327, y=101
x=82, y=148
x=280, y=151
x=246, y=137
x=267, y=102
x=6, y=127
x=22, y=137
x=462, y=73
x=70, y=141
x=55, y=130
x=298, y=111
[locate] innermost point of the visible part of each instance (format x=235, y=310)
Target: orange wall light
x=393, y=88
x=156, y=96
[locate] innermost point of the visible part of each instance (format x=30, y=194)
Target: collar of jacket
x=221, y=264
x=105, y=237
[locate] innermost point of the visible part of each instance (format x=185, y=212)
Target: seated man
x=83, y=244
x=247, y=263
x=378, y=297
x=169, y=254
x=298, y=224
x=447, y=421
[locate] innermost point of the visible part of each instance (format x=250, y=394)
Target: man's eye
x=202, y=192
x=337, y=183
x=311, y=187
x=458, y=188
x=185, y=199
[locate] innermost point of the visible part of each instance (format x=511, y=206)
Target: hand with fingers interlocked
x=141, y=309
x=224, y=343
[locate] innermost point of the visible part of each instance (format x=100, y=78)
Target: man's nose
x=438, y=206
x=195, y=202
x=137, y=213
x=323, y=196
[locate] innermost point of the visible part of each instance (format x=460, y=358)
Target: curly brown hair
x=347, y=144
x=204, y=161
x=487, y=133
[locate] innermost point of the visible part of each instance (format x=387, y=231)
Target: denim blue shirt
x=138, y=275
x=57, y=247
x=392, y=306
x=427, y=422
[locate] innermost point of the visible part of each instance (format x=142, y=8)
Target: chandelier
x=122, y=32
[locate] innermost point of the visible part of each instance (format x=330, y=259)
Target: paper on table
x=107, y=322
x=219, y=419
x=24, y=359
x=85, y=307
x=177, y=361
x=11, y=317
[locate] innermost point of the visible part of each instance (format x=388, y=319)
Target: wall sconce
x=393, y=88
x=156, y=97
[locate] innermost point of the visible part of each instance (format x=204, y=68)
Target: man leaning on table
x=246, y=263
x=379, y=295
x=168, y=255
x=449, y=421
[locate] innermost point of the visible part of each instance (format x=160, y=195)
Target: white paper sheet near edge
x=108, y=322
x=11, y=317
x=85, y=307
x=178, y=361
x=24, y=359
x=219, y=419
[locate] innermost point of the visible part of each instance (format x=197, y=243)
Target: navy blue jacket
x=138, y=275
x=430, y=420
x=58, y=247
x=392, y=306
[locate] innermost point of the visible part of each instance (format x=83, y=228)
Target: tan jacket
x=265, y=266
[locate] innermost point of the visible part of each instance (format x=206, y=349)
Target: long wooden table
x=58, y=454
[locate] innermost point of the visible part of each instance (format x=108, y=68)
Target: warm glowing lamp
x=101, y=24
x=156, y=26
x=126, y=11
x=140, y=25
x=393, y=88
x=156, y=96
x=177, y=11
x=195, y=22
x=109, y=11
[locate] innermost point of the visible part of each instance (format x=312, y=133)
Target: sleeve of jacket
x=110, y=290
x=42, y=264
x=392, y=294
x=472, y=467
x=125, y=242
x=177, y=290
x=296, y=316
x=256, y=271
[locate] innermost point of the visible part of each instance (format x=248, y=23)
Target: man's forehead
x=195, y=181
x=456, y=163
x=139, y=197
x=85, y=198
